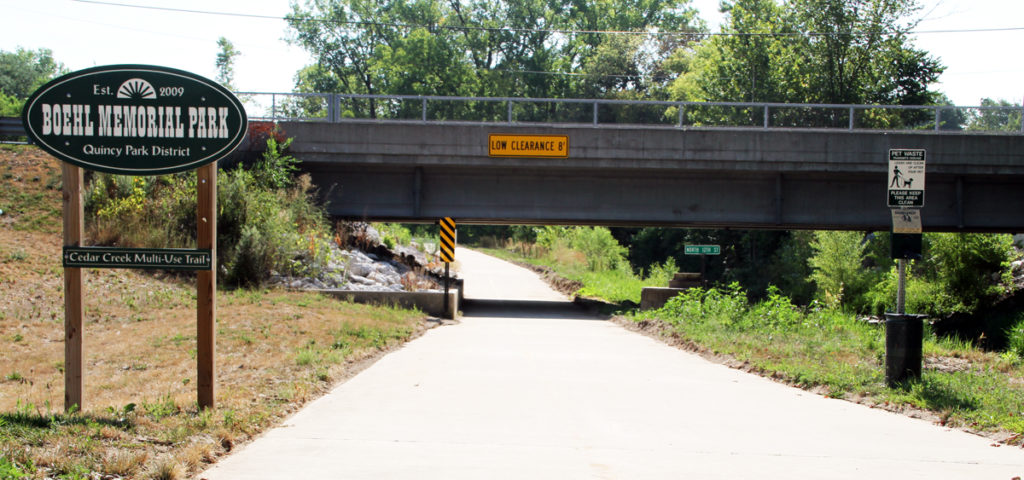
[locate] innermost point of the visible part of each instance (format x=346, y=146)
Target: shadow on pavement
x=526, y=309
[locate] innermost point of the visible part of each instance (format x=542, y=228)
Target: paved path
x=540, y=390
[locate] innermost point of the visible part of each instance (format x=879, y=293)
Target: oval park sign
x=135, y=119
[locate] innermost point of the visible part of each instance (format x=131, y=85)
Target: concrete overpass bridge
x=415, y=159
x=760, y=176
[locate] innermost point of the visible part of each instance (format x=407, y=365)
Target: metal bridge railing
x=334, y=107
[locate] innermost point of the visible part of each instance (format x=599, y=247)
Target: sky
x=83, y=34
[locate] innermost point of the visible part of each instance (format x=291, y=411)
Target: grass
x=140, y=418
x=30, y=179
x=843, y=357
x=140, y=414
x=615, y=286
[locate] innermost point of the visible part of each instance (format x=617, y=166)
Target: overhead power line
x=558, y=31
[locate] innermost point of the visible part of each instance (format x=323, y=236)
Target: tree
x=815, y=51
x=10, y=106
x=23, y=71
x=995, y=116
x=529, y=48
x=226, y=62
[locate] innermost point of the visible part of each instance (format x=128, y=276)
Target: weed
x=334, y=357
x=14, y=377
x=340, y=343
x=167, y=469
x=16, y=256
x=163, y=407
x=230, y=420
x=123, y=463
x=307, y=356
x=10, y=471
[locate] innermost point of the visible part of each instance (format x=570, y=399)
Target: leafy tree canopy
x=814, y=51
x=23, y=71
x=995, y=119
x=535, y=48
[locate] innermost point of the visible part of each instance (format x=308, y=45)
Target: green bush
x=10, y=106
x=776, y=311
x=262, y=231
x=267, y=222
x=141, y=211
x=1015, y=338
x=393, y=234
x=971, y=269
x=722, y=306
x=10, y=471
x=920, y=294
x=275, y=170
x=837, y=268
x=959, y=273
x=789, y=269
x=599, y=248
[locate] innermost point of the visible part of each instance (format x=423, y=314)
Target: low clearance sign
x=135, y=119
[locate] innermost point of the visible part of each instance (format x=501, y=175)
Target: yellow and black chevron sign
x=447, y=240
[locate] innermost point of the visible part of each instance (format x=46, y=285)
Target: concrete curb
x=431, y=303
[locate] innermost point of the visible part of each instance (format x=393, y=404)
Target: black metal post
x=703, y=269
x=446, y=278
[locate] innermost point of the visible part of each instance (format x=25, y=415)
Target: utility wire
x=557, y=31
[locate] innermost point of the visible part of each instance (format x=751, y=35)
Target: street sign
x=552, y=146
x=702, y=250
x=447, y=240
x=144, y=258
x=906, y=177
x=906, y=220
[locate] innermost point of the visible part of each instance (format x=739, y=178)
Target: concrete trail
x=538, y=389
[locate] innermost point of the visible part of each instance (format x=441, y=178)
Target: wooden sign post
x=74, y=231
x=137, y=120
x=206, y=287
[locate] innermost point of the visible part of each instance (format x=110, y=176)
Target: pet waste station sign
x=906, y=177
x=136, y=120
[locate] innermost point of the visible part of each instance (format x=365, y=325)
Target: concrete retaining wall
x=431, y=303
x=653, y=298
